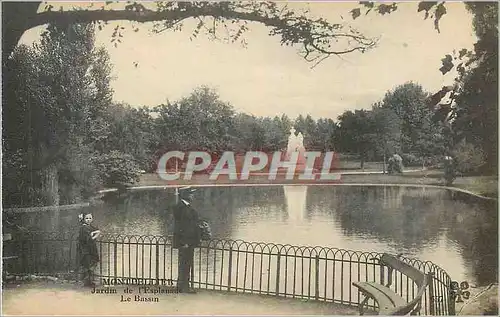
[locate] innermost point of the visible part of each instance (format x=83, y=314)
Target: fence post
x=100, y=257
x=278, y=274
x=316, y=279
x=23, y=256
x=451, y=299
x=229, y=275
x=70, y=254
x=74, y=266
x=157, y=263
x=115, y=258
x=382, y=275
x=432, y=309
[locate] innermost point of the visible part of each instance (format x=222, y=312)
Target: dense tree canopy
x=420, y=134
x=54, y=103
x=476, y=94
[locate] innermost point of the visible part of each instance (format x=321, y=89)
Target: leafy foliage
x=199, y=122
x=117, y=169
x=401, y=123
x=473, y=110
x=132, y=131
x=434, y=10
x=203, y=122
x=468, y=158
x=419, y=133
x=355, y=134
x=57, y=91
x=386, y=130
x=317, y=38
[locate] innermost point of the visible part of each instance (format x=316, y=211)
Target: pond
x=427, y=223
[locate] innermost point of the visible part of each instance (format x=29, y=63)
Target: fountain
x=296, y=195
x=296, y=144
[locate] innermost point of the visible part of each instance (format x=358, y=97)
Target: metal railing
x=313, y=273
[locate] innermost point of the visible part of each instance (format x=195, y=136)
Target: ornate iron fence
x=313, y=273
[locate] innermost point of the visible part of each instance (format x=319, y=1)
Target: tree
x=310, y=133
x=253, y=133
x=472, y=109
x=283, y=125
x=317, y=37
x=476, y=90
x=273, y=134
x=77, y=74
x=467, y=157
x=200, y=122
x=386, y=129
x=117, y=169
x=326, y=132
x=356, y=134
x=470, y=112
x=131, y=131
x=420, y=134
x=57, y=124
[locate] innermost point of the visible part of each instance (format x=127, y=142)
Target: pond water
x=427, y=223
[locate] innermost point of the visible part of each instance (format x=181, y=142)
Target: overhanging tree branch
x=317, y=36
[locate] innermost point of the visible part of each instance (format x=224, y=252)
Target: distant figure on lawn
x=88, y=255
x=395, y=164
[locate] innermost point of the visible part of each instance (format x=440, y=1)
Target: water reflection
x=295, y=197
x=430, y=224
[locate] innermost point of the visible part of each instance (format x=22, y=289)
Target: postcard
x=249, y=158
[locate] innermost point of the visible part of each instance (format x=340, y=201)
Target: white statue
x=292, y=141
x=300, y=141
x=295, y=142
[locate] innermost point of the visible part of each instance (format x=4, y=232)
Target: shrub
x=117, y=169
x=410, y=159
x=468, y=158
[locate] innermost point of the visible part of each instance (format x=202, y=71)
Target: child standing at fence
x=88, y=255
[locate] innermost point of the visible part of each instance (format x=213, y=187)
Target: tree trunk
x=50, y=185
x=384, y=168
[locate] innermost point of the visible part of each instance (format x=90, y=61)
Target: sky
x=267, y=79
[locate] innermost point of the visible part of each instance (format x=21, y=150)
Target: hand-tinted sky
x=267, y=79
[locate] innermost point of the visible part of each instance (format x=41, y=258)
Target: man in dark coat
x=186, y=237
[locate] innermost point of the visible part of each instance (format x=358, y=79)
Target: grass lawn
x=481, y=185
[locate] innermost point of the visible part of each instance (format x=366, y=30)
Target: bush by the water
x=468, y=158
x=395, y=164
x=117, y=169
x=414, y=160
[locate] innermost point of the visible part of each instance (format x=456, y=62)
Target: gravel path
x=65, y=299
